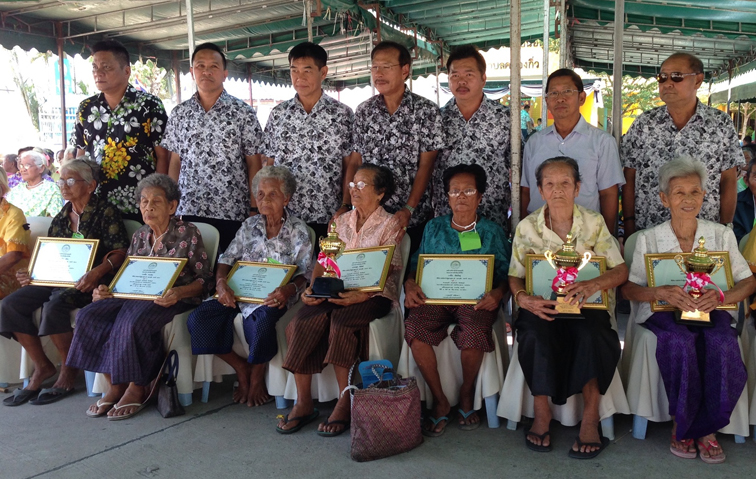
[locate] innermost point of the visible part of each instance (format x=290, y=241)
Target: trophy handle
x=681, y=263
x=586, y=258
x=550, y=258
x=718, y=263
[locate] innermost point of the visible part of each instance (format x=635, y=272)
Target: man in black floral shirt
x=684, y=126
x=477, y=131
x=120, y=128
x=214, y=140
x=402, y=131
x=311, y=135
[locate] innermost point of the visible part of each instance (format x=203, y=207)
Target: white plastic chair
x=182, y=341
x=210, y=368
x=448, y=357
x=749, y=344
x=644, y=385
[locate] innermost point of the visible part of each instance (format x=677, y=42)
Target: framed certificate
x=455, y=278
x=539, y=275
x=146, y=277
x=365, y=269
x=253, y=282
x=61, y=261
x=661, y=270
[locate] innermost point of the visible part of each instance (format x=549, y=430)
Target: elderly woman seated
x=85, y=215
x=426, y=325
x=272, y=236
x=35, y=196
x=559, y=356
x=122, y=337
x=701, y=367
x=335, y=331
x=14, y=241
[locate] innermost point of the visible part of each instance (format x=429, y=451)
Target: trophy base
x=565, y=309
x=693, y=318
x=324, y=287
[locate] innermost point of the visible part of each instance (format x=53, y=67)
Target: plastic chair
x=182, y=340
x=749, y=344
x=132, y=226
x=644, y=386
x=210, y=368
x=490, y=375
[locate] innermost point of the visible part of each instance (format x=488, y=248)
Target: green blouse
x=440, y=238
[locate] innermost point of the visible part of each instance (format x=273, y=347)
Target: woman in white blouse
x=702, y=368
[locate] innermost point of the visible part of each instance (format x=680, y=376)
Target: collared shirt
x=291, y=246
x=380, y=229
x=483, y=140
x=589, y=231
x=440, y=238
x=312, y=146
x=595, y=152
x=213, y=145
x=44, y=199
x=14, y=236
x=181, y=240
x=653, y=139
x=662, y=239
x=396, y=142
x=524, y=119
x=121, y=141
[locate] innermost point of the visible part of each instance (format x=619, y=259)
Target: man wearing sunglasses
x=683, y=126
x=594, y=150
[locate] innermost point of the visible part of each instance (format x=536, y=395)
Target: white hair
x=39, y=159
x=680, y=167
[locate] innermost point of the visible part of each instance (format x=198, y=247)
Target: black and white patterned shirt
x=212, y=145
x=312, y=146
x=653, y=139
x=484, y=140
x=396, y=141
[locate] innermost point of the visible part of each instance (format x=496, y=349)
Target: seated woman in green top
x=427, y=324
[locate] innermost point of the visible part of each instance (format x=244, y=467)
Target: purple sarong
x=702, y=369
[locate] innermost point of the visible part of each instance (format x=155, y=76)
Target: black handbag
x=168, y=400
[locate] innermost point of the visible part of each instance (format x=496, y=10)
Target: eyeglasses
x=467, y=192
x=23, y=167
x=553, y=95
x=676, y=77
x=382, y=68
x=360, y=185
x=70, y=182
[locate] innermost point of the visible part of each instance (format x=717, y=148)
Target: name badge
x=469, y=240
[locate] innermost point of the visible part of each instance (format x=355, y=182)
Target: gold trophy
x=330, y=284
x=567, y=262
x=698, y=268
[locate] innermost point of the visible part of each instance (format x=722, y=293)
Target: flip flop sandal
x=100, y=404
x=538, y=447
x=588, y=455
x=138, y=406
x=51, y=395
x=303, y=421
x=346, y=424
x=707, y=447
x=682, y=454
x=465, y=415
x=433, y=432
x=20, y=396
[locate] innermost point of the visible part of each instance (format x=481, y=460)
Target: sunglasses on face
x=676, y=77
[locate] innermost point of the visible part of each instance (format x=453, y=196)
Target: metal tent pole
x=308, y=12
x=563, y=34
x=619, y=28
x=545, y=64
x=190, y=25
x=62, y=71
x=514, y=106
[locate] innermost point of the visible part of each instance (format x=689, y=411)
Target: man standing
x=477, y=131
x=526, y=122
x=120, y=128
x=683, y=126
x=214, y=140
x=402, y=131
x=311, y=135
x=594, y=150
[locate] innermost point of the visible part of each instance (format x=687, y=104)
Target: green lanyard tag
x=469, y=240
x=77, y=235
x=272, y=261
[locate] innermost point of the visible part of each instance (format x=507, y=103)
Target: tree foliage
x=154, y=79
x=638, y=94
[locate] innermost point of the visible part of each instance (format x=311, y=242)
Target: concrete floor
x=220, y=439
